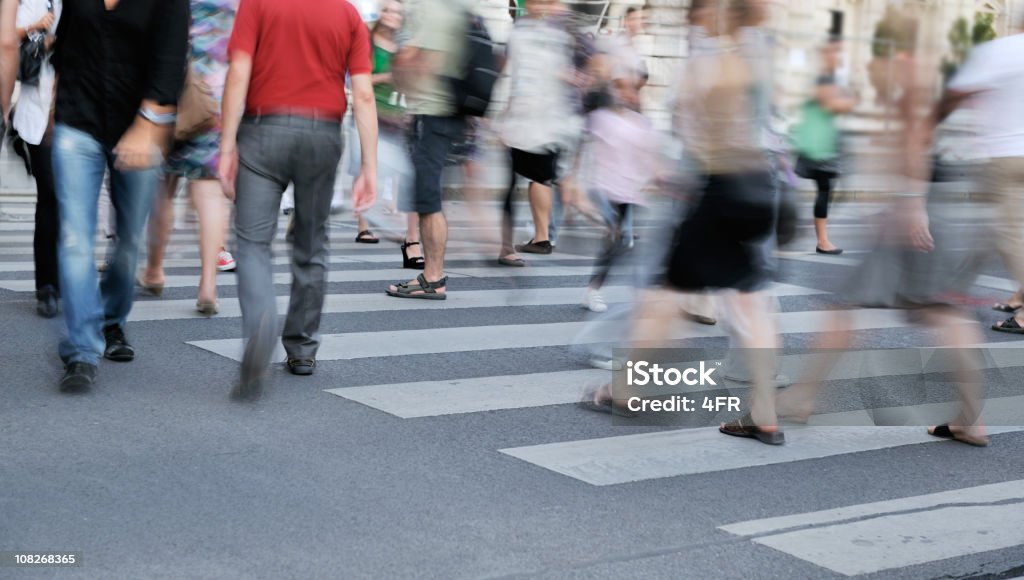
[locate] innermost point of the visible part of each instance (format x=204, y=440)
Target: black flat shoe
x=47, y=304
x=832, y=252
x=118, y=349
x=78, y=377
x=302, y=367
x=533, y=247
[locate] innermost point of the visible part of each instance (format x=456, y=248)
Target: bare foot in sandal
x=745, y=427
x=599, y=400
x=420, y=288
x=970, y=435
x=1011, y=325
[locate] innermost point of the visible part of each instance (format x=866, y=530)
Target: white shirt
x=539, y=116
x=996, y=70
x=32, y=111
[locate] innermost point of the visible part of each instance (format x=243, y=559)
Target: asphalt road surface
x=440, y=440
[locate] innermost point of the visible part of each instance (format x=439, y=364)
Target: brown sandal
x=745, y=427
x=366, y=237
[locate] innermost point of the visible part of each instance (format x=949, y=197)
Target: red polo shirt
x=301, y=50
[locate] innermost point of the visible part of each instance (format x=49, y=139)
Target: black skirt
x=721, y=242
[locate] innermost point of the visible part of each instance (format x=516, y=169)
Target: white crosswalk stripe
x=886, y=535
x=846, y=539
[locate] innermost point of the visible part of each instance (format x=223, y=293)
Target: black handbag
x=31, y=54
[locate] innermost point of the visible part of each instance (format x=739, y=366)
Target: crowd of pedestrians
x=418, y=83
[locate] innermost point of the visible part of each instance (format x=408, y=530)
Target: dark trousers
x=44, y=243
x=824, y=181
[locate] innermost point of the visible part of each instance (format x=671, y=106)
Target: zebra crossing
x=845, y=539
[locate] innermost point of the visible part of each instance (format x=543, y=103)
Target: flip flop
x=944, y=432
x=745, y=427
x=608, y=406
x=1009, y=325
x=1005, y=307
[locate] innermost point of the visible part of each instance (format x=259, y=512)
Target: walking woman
x=196, y=160
x=817, y=140
x=392, y=123
x=911, y=266
x=719, y=244
x=37, y=19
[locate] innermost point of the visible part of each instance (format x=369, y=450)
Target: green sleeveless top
x=389, y=101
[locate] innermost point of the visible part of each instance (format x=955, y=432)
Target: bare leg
x=821, y=231
x=656, y=315
x=161, y=221
x=959, y=334
x=210, y=203
x=434, y=229
x=798, y=401
x=760, y=341
x=540, y=206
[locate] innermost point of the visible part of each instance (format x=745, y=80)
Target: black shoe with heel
x=414, y=263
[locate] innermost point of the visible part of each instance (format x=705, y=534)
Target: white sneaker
x=594, y=303
x=225, y=261
x=606, y=364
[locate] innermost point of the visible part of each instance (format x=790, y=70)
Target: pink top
x=624, y=145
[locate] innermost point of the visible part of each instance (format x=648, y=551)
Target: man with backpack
x=442, y=41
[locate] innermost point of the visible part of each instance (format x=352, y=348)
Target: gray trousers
x=274, y=151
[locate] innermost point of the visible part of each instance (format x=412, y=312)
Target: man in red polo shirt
x=283, y=103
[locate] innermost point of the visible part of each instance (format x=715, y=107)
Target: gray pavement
x=457, y=452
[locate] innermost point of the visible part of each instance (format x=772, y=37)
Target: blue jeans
x=90, y=304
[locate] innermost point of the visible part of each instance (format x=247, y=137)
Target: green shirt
x=388, y=98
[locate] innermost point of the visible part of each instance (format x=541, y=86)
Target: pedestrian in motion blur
x=540, y=124
x=718, y=245
x=121, y=68
x=196, y=159
x=992, y=80
x=37, y=22
x=908, y=268
x=816, y=140
x=274, y=135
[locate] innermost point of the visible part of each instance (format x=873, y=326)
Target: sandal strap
x=431, y=287
x=408, y=244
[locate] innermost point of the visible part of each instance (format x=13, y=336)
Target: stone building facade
x=800, y=26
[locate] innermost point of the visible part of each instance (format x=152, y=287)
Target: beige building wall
x=800, y=27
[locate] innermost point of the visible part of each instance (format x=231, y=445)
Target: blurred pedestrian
x=539, y=125
x=119, y=82
x=992, y=80
x=274, y=48
x=816, y=139
x=37, y=21
x=196, y=160
x=908, y=267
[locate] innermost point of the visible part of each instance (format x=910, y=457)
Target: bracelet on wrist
x=161, y=119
